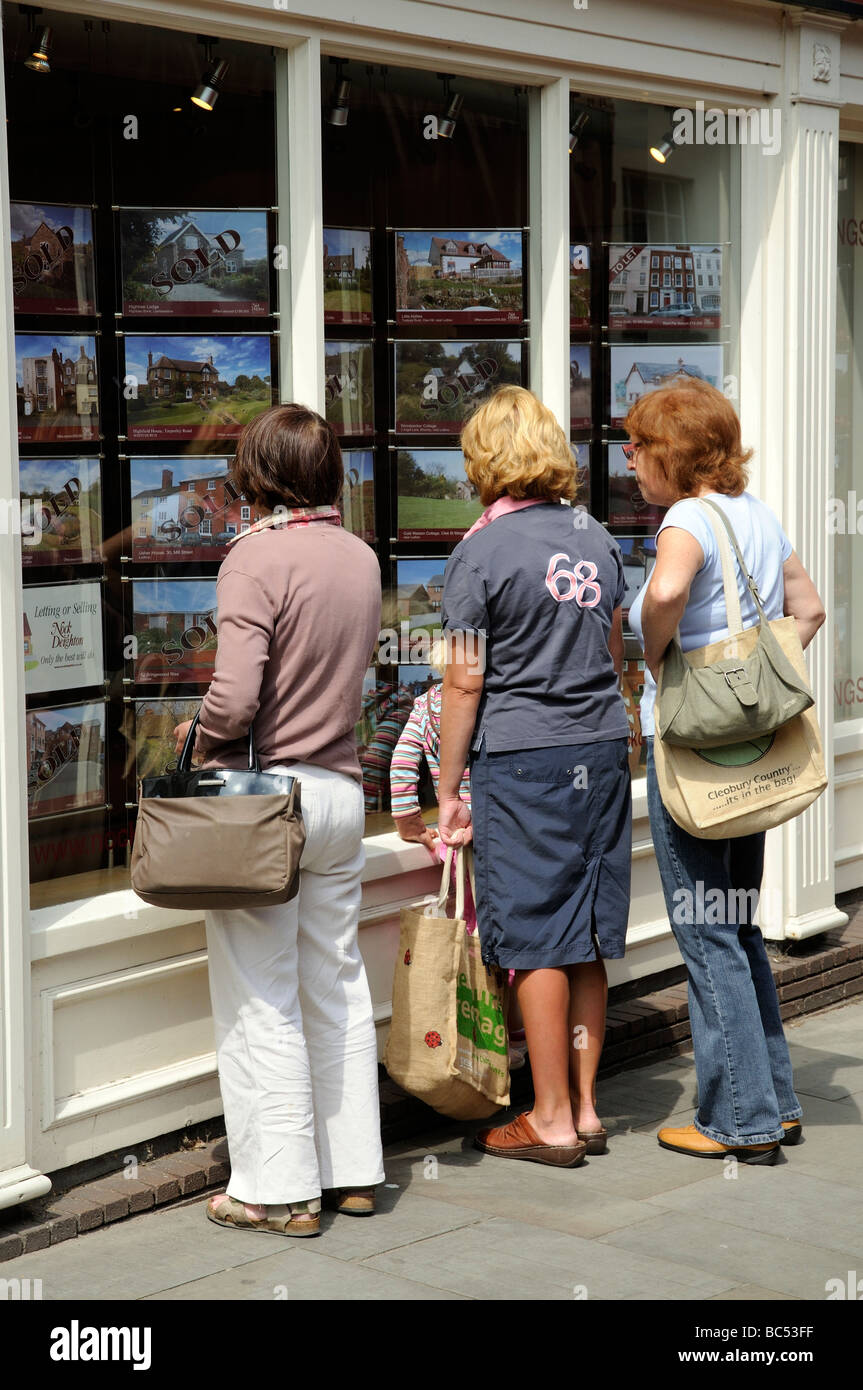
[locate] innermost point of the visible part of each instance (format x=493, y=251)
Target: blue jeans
x=742, y=1065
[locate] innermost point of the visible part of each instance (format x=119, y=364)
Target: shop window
x=845, y=512
x=150, y=292
x=671, y=222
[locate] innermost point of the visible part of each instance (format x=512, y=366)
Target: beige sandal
x=302, y=1219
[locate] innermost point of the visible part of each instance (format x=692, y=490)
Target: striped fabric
x=420, y=738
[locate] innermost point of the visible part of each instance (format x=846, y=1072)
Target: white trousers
x=295, y=1035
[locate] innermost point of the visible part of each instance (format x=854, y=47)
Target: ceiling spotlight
x=447, y=123
x=339, y=111
x=576, y=128
x=206, y=94
x=664, y=150
x=38, y=60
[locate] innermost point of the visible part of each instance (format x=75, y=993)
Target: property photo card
x=199, y=261
x=459, y=276
x=438, y=383
x=185, y=387
x=579, y=285
x=581, y=453
x=174, y=623
x=626, y=505
x=52, y=258
x=435, y=500
x=56, y=387
x=660, y=285
x=61, y=511
x=349, y=386
x=638, y=554
x=65, y=759
x=579, y=386
x=185, y=509
x=347, y=275
x=155, y=721
x=636, y=369
x=358, y=494
x=62, y=634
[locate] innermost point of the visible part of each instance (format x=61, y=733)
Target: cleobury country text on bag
x=218, y=838
x=751, y=689
x=725, y=791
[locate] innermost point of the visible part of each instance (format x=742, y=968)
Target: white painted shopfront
x=105, y=1034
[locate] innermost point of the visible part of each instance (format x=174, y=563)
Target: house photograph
x=61, y=500
x=459, y=277
x=637, y=370
x=626, y=505
x=579, y=386
x=579, y=285
x=56, y=387
x=438, y=383
x=194, y=262
x=417, y=599
x=348, y=386
x=155, y=721
x=195, y=387
x=185, y=509
x=347, y=275
x=435, y=500
x=52, y=259
x=357, y=503
x=65, y=759
x=664, y=286
x=174, y=625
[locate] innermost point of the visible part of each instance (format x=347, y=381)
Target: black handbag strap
x=185, y=763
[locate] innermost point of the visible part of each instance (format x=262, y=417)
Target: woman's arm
x=615, y=641
x=246, y=622
x=404, y=781
x=679, y=557
x=462, y=691
x=801, y=599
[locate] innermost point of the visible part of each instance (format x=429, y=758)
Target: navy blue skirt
x=552, y=834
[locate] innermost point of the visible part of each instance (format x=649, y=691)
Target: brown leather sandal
x=519, y=1140
x=595, y=1139
x=351, y=1201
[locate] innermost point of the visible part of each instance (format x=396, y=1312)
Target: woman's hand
x=181, y=733
x=454, y=822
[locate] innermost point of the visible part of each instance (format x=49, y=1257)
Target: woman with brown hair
x=532, y=614
x=298, y=617
x=685, y=444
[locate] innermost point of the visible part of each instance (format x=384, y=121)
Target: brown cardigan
x=299, y=612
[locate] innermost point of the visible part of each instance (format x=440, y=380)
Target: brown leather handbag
x=218, y=838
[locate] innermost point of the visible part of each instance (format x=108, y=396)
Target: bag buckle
x=736, y=676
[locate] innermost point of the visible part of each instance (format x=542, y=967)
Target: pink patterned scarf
x=502, y=507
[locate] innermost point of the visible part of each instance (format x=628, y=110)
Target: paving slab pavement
x=635, y=1224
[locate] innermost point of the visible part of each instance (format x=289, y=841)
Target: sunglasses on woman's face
x=629, y=451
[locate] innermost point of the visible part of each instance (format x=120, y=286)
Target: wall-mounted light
x=38, y=60
x=340, y=107
x=664, y=150
x=576, y=129
x=447, y=123
x=206, y=94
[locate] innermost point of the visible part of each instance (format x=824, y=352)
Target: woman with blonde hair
x=685, y=444
x=532, y=615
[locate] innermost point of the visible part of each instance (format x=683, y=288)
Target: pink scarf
x=502, y=507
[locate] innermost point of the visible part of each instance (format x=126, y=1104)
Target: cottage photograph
x=439, y=383
x=579, y=386
x=579, y=285
x=185, y=509
x=664, y=286
x=637, y=370
x=52, y=258
x=174, y=625
x=198, y=261
x=61, y=507
x=347, y=275
x=435, y=500
x=459, y=277
x=189, y=387
x=416, y=600
x=357, y=502
x=65, y=759
x=56, y=387
x=349, y=386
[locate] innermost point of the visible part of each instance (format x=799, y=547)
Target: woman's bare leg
x=588, y=995
x=544, y=1000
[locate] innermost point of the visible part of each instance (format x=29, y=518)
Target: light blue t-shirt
x=765, y=549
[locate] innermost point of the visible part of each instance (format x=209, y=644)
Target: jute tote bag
x=738, y=789
x=448, y=1041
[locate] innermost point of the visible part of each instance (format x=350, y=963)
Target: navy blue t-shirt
x=541, y=584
